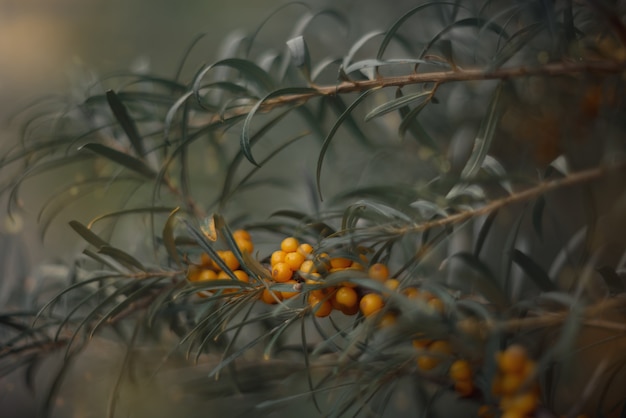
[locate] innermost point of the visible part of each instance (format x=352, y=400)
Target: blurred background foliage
x=64, y=47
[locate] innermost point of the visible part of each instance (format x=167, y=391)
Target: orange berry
x=346, y=297
x=440, y=346
x=353, y=310
x=244, y=245
x=460, y=370
x=305, y=249
x=289, y=245
x=206, y=260
x=307, y=266
x=392, y=284
x=378, y=272
x=356, y=266
x=228, y=257
x=388, y=319
x=289, y=294
x=340, y=263
x=222, y=275
x=242, y=234
x=206, y=274
x=524, y=403
x=510, y=383
x=426, y=362
x=281, y=272
x=294, y=260
x=271, y=297
x=371, y=304
x=421, y=343
x=242, y=276
x=513, y=359
x=278, y=256
x=411, y=293
x=437, y=305
x=320, y=307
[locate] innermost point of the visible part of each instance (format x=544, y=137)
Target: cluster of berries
x=209, y=269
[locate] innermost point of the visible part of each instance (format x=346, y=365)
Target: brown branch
x=528, y=194
x=439, y=77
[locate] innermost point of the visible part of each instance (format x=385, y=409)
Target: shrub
x=425, y=222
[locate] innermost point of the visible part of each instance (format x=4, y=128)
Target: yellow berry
x=307, y=266
x=356, y=266
x=242, y=276
x=289, y=245
x=340, y=263
x=242, y=234
x=460, y=370
x=427, y=362
x=371, y=304
x=388, y=319
x=278, y=256
x=524, y=403
x=513, y=359
x=294, y=260
x=222, y=275
x=346, y=297
x=244, y=245
x=271, y=297
x=411, y=293
x=281, y=272
x=206, y=260
x=392, y=284
x=320, y=307
x=378, y=272
x=206, y=274
x=305, y=249
x=228, y=257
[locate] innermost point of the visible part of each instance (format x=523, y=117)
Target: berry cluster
x=515, y=383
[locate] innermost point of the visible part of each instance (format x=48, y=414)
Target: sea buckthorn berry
x=378, y=272
x=350, y=310
x=355, y=265
x=271, y=297
x=289, y=244
x=513, y=359
x=242, y=276
x=228, y=257
x=421, y=343
x=464, y=387
x=426, y=362
x=346, y=297
x=205, y=274
x=244, y=245
x=307, y=266
x=460, y=370
x=340, y=263
x=277, y=256
x=206, y=260
x=523, y=403
x=222, y=275
x=437, y=305
x=440, y=346
x=289, y=294
x=242, y=234
x=511, y=383
x=371, y=304
x=392, y=284
x=281, y=272
x=320, y=307
x=388, y=319
x=305, y=249
x=411, y=293
x=294, y=260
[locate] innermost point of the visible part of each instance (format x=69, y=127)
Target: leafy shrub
x=427, y=221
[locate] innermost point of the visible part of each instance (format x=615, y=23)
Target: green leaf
x=88, y=235
x=168, y=237
x=331, y=134
x=482, y=142
x=396, y=104
x=121, y=114
x=534, y=271
x=121, y=158
x=121, y=257
x=245, y=131
x=300, y=55
x=484, y=231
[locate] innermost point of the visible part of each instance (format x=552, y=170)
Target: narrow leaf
x=121, y=158
x=121, y=257
x=534, y=271
x=168, y=237
x=396, y=104
x=300, y=55
x=121, y=114
x=88, y=235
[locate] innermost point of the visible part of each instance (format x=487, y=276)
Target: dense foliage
x=420, y=220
